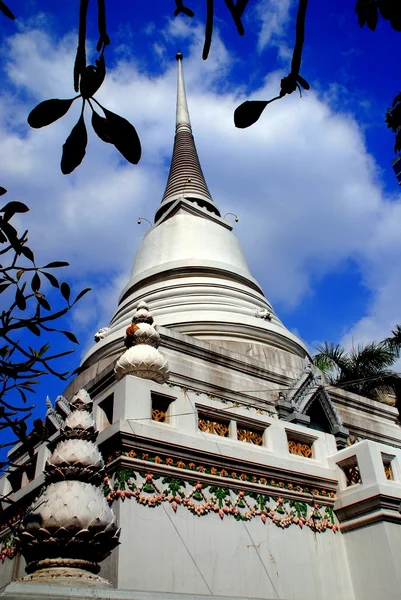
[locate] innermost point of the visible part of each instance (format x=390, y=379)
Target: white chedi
x=142, y=357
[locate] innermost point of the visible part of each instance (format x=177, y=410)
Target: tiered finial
x=185, y=178
x=142, y=357
x=69, y=528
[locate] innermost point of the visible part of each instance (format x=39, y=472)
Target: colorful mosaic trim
x=237, y=475
x=152, y=490
x=8, y=547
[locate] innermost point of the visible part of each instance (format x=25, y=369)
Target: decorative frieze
x=216, y=471
x=201, y=499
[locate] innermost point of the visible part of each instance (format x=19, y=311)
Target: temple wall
x=163, y=550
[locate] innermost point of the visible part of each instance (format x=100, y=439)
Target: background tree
x=26, y=314
x=113, y=129
x=394, y=340
x=365, y=370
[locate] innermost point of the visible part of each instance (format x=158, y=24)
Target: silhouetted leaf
x=11, y=208
x=386, y=8
x=27, y=252
x=249, y=112
x=53, y=280
x=48, y=111
x=183, y=9
x=6, y=11
x=20, y=299
x=23, y=395
x=70, y=336
x=397, y=147
x=85, y=291
x=74, y=148
x=303, y=82
x=43, y=302
x=92, y=78
x=101, y=127
x=2, y=191
x=35, y=283
x=372, y=17
x=65, y=291
x=79, y=370
x=4, y=286
x=396, y=21
x=55, y=264
x=124, y=136
x=12, y=236
x=33, y=328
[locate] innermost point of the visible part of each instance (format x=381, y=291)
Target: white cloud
x=273, y=16
x=301, y=181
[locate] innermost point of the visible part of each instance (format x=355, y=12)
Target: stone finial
x=142, y=357
x=70, y=528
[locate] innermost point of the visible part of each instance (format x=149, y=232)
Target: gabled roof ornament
x=185, y=178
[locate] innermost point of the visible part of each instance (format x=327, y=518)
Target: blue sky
x=318, y=204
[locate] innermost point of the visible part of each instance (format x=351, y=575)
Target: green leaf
x=74, y=148
x=65, y=291
x=48, y=111
x=249, y=112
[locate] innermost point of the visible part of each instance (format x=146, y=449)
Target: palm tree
x=364, y=370
x=393, y=342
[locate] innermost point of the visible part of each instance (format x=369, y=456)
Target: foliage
x=394, y=340
x=25, y=315
x=113, y=129
x=365, y=370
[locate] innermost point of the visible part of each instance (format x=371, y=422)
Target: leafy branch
x=110, y=128
x=29, y=313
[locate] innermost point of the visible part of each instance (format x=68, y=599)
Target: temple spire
x=185, y=179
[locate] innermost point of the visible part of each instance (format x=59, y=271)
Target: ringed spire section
x=185, y=178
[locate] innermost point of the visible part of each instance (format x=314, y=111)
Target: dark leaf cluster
x=393, y=120
x=110, y=128
x=249, y=112
x=26, y=310
x=236, y=10
x=368, y=12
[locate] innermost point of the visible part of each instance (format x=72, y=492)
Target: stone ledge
x=20, y=590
